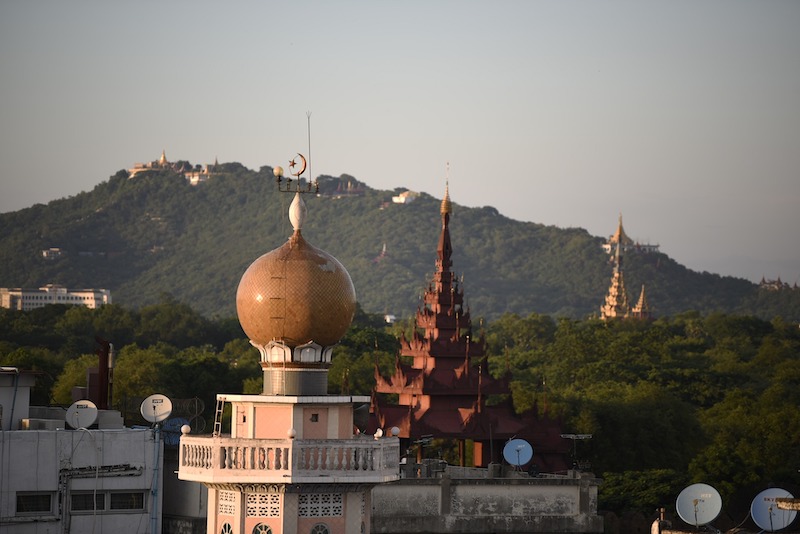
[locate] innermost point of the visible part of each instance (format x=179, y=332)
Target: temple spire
x=446, y=207
x=616, y=303
x=642, y=309
x=445, y=249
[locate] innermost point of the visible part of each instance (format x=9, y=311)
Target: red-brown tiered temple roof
x=443, y=392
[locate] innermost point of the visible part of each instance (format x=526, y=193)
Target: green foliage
x=643, y=490
x=701, y=395
x=74, y=374
x=363, y=347
x=678, y=400
x=156, y=234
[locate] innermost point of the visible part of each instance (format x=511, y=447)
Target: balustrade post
x=337, y=458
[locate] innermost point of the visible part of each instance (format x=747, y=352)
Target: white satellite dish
x=765, y=512
x=81, y=414
x=699, y=504
x=156, y=408
x=518, y=452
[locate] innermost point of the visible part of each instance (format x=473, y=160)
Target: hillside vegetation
x=677, y=400
x=157, y=234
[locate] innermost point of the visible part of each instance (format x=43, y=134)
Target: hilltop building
x=52, y=253
x=194, y=175
x=294, y=460
x=406, y=197
x=202, y=174
x=443, y=393
x=29, y=299
x=626, y=243
x=160, y=164
x=775, y=285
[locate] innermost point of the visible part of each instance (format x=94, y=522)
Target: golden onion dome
x=296, y=293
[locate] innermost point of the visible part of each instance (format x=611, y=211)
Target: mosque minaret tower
x=293, y=461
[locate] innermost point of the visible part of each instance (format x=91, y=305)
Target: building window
x=320, y=528
x=226, y=529
x=263, y=505
x=81, y=502
x=132, y=500
x=320, y=505
x=34, y=503
x=261, y=528
x=227, y=502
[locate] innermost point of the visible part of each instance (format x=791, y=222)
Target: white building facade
x=29, y=299
x=59, y=480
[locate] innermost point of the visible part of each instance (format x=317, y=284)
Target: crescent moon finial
x=303, y=165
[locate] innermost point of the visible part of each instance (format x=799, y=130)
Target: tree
x=73, y=375
x=173, y=323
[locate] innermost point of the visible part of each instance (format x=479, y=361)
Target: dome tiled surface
x=296, y=293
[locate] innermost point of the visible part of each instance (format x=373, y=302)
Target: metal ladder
x=218, y=416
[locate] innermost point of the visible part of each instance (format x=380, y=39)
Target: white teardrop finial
x=297, y=212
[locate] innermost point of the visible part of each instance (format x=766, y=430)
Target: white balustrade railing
x=233, y=459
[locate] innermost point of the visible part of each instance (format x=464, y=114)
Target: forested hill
x=157, y=234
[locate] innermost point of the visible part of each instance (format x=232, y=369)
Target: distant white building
x=406, y=197
x=202, y=174
x=29, y=299
x=54, y=479
x=52, y=253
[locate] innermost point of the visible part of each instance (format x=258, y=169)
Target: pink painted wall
x=273, y=421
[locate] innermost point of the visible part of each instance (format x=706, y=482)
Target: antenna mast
x=308, y=121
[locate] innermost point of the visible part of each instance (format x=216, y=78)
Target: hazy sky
x=682, y=115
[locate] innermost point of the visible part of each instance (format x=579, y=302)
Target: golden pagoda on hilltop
x=158, y=165
x=626, y=243
x=616, y=303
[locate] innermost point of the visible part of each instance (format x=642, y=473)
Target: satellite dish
x=156, y=408
x=766, y=514
x=171, y=429
x=699, y=504
x=518, y=452
x=81, y=414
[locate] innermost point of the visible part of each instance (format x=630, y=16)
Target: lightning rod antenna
x=308, y=120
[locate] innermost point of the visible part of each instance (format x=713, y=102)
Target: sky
x=683, y=116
